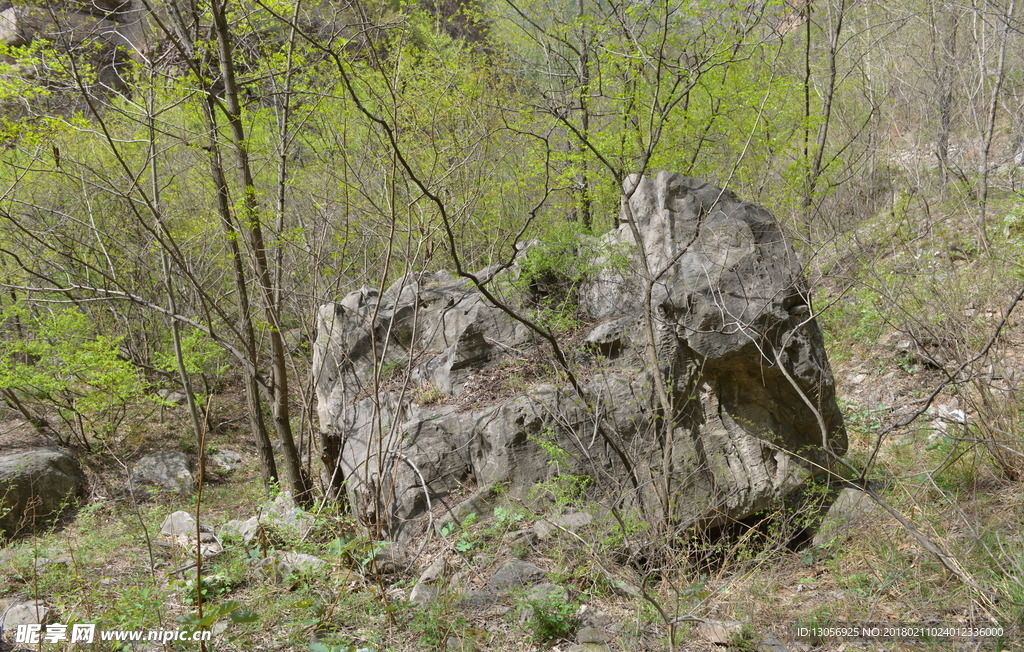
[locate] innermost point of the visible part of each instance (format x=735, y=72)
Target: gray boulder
x=27, y=612
x=35, y=485
x=737, y=350
x=514, y=574
x=164, y=471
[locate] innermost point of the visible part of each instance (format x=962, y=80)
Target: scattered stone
x=56, y=563
x=546, y=591
x=422, y=594
x=730, y=633
x=165, y=470
x=460, y=644
x=592, y=635
x=477, y=600
x=246, y=529
x=281, y=513
x=226, y=460
x=179, y=522
x=623, y=587
x=282, y=564
x=526, y=536
x=389, y=559
x=553, y=526
x=516, y=573
x=435, y=571
x=172, y=397
x=28, y=612
x=36, y=485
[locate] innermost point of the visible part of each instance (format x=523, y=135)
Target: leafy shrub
x=550, y=617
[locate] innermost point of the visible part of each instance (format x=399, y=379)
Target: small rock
x=389, y=558
x=59, y=562
x=850, y=507
x=622, y=587
x=719, y=633
x=282, y=564
x=460, y=644
x=526, y=536
x=572, y=521
x=547, y=591
x=29, y=612
x=165, y=470
x=284, y=513
x=179, y=522
x=226, y=460
x=592, y=635
x=246, y=529
x=422, y=594
x=516, y=573
x=171, y=396
x=478, y=600
x=435, y=571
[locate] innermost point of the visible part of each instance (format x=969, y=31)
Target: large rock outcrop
x=35, y=485
x=428, y=391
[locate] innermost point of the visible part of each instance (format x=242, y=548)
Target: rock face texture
x=34, y=485
x=110, y=32
x=429, y=391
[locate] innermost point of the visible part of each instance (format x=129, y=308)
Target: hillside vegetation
x=176, y=231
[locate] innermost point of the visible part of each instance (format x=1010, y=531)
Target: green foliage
x=552, y=270
x=213, y=587
x=550, y=617
x=464, y=538
x=57, y=359
x=200, y=354
x=435, y=623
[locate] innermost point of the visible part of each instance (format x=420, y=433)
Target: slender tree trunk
x=250, y=220
x=264, y=447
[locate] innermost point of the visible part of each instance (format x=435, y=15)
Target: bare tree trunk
x=252, y=390
x=250, y=220
x=947, y=74
x=990, y=126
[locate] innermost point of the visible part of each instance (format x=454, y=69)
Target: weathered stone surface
x=737, y=347
x=592, y=635
x=28, y=612
x=164, y=470
x=282, y=564
x=35, y=485
x=422, y=594
x=279, y=514
x=179, y=522
x=226, y=460
x=514, y=574
x=554, y=525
